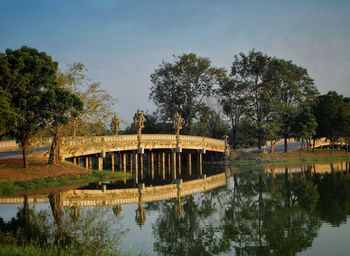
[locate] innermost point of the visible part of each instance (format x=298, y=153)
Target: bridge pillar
x=100, y=162
x=169, y=164
x=179, y=162
x=136, y=175
x=141, y=164
x=163, y=164
x=174, y=164
x=200, y=162
x=90, y=162
x=190, y=163
x=112, y=161
x=130, y=162
x=123, y=162
x=158, y=164
x=152, y=165
x=86, y=162
x=75, y=160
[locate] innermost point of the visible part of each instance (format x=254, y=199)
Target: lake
x=246, y=210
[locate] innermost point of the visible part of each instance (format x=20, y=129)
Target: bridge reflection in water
x=100, y=195
x=97, y=195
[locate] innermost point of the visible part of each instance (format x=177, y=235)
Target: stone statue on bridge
x=177, y=123
x=139, y=120
x=115, y=124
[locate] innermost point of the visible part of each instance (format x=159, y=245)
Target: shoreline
x=241, y=157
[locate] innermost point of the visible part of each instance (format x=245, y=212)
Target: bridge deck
x=91, y=145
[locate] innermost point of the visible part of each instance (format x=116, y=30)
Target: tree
x=269, y=90
x=248, y=72
x=181, y=86
x=233, y=104
x=97, y=103
x=7, y=115
x=293, y=89
x=211, y=124
x=332, y=114
x=304, y=127
x=64, y=106
x=30, y=78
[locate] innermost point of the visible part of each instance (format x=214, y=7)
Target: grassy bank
x=43, y=185
x=241, y=157
x=33, y=250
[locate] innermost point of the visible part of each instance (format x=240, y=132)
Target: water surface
x=275, y=210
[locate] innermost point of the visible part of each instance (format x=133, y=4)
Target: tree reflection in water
x=87, y=232
x=256, y=214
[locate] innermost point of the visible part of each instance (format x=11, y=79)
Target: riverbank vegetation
x=40, y=178
x=317, y=156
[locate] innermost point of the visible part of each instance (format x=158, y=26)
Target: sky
x=122, y=42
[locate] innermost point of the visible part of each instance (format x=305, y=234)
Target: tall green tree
x=232, y=101
x=183, y=85
x=304, y=127
x=7, y=114
x=293, y=90
x=64, y=106
x=97, y=103
x=249, y=72
x=332, y=113
x=30, y=78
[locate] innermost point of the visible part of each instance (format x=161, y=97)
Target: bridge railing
x=8, y=145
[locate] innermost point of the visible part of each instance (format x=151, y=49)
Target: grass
x=34, y=250
x=31, y=186
x=241, y=157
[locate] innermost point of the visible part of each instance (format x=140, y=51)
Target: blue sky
x=122, y=42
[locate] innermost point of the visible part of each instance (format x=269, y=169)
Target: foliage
x=333, y=115
x=248, y=72
x=304, y=126
x=233, y=104
x=182, y=86
x=29, y=76
x=211, y=124
x=97, y=103
x=293, y=89
x=269, y=91
x=7, y=114
x=35, y=233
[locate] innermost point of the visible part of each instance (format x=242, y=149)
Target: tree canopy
x=29, y=76
x=183, y=85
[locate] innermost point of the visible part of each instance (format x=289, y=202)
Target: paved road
x=292, y=146
x=19, y=152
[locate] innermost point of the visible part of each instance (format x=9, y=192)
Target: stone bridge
x=80, y=146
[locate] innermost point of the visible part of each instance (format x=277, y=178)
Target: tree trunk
x=308, y=145
x=285, y=144
x=234, y=134
x=313, y=144
x=54, y=157
x=272, y=147
x=302, y=145
x=332, y=146
x=24, y=153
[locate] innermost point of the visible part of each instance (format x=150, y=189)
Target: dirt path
x=11, y=169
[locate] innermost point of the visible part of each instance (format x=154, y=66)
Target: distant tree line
x=262, y=100
x=37, y=99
